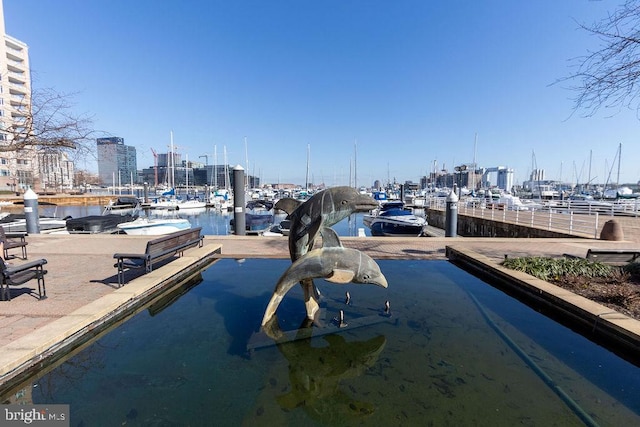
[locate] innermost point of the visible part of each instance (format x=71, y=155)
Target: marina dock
x=83, y=294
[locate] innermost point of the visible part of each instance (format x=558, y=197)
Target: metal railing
x=558, y=219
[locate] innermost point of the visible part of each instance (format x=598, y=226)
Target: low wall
x=67, y=200
x=469, y=226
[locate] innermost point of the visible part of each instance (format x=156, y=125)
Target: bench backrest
x=172, y=240
x=613, y=256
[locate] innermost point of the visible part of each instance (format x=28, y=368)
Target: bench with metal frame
x=613, y=256
x=12, y=240
x=610, y=256
x=16, y=275
x=157, y=250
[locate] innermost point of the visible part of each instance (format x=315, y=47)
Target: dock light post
x=451, y=217
x=239, y=220
x=31, y=211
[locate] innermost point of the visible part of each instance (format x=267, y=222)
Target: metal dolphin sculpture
x=314, y=217
x=322, y=210
x=334, y=264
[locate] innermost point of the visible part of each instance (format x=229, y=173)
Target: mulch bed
x=621, y=292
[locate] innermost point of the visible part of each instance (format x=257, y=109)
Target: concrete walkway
x=82, y=284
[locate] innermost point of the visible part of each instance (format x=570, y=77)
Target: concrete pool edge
x=601, y=322
x=32, y=351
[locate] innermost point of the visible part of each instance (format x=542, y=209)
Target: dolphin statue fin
x=288, y=204
x=329, y=238
x=340, y=276
x=302, y=241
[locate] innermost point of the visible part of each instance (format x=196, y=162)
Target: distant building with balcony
x=117, y=162
x=56, y=171
x=18, y=169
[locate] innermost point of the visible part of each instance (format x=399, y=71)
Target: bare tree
x=50, y=124
x=85, y=177
x=609, y=77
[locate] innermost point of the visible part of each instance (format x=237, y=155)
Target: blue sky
x=411, y=83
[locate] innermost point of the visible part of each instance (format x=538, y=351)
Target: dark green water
x=455, y=351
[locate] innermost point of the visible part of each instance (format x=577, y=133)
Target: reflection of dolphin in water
x=335, y=264
x=315, y=216
x=316, y=374
x=319, y=373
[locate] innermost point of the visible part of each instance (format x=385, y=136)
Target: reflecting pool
x=454, y=351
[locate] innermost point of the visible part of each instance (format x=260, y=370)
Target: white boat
x=191, y=204
x=386, y=205
x=512, y=203
x=167, y=200
x=393, y=220
x=221, y=200
x=163, y=203
x=18, y=223
x=154, y=226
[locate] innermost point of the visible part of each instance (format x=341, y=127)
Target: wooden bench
x=13, y=240
x=157, y=250
x=16, y=275
x=613, y=256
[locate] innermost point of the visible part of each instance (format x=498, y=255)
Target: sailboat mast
x=215, y=167
x=619, y=157
x=589, y=178
x=226, y=170
x=246, y=158
x=355, y=164
x=473, y=172
x=306, y=181
x=172, y=163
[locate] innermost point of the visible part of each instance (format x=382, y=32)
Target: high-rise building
x=18, y=169
x=117, y=163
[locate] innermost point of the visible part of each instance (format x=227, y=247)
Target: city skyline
x=402, y=86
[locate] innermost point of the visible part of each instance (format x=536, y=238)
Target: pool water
x=454, y=351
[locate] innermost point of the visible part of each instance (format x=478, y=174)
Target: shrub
x=552, y=268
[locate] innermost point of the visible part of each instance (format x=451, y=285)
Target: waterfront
x=212, y=222
x=71, y=285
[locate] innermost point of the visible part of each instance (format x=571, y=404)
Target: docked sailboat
x=191, y=204
x=194, y=203
x=221, y=200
